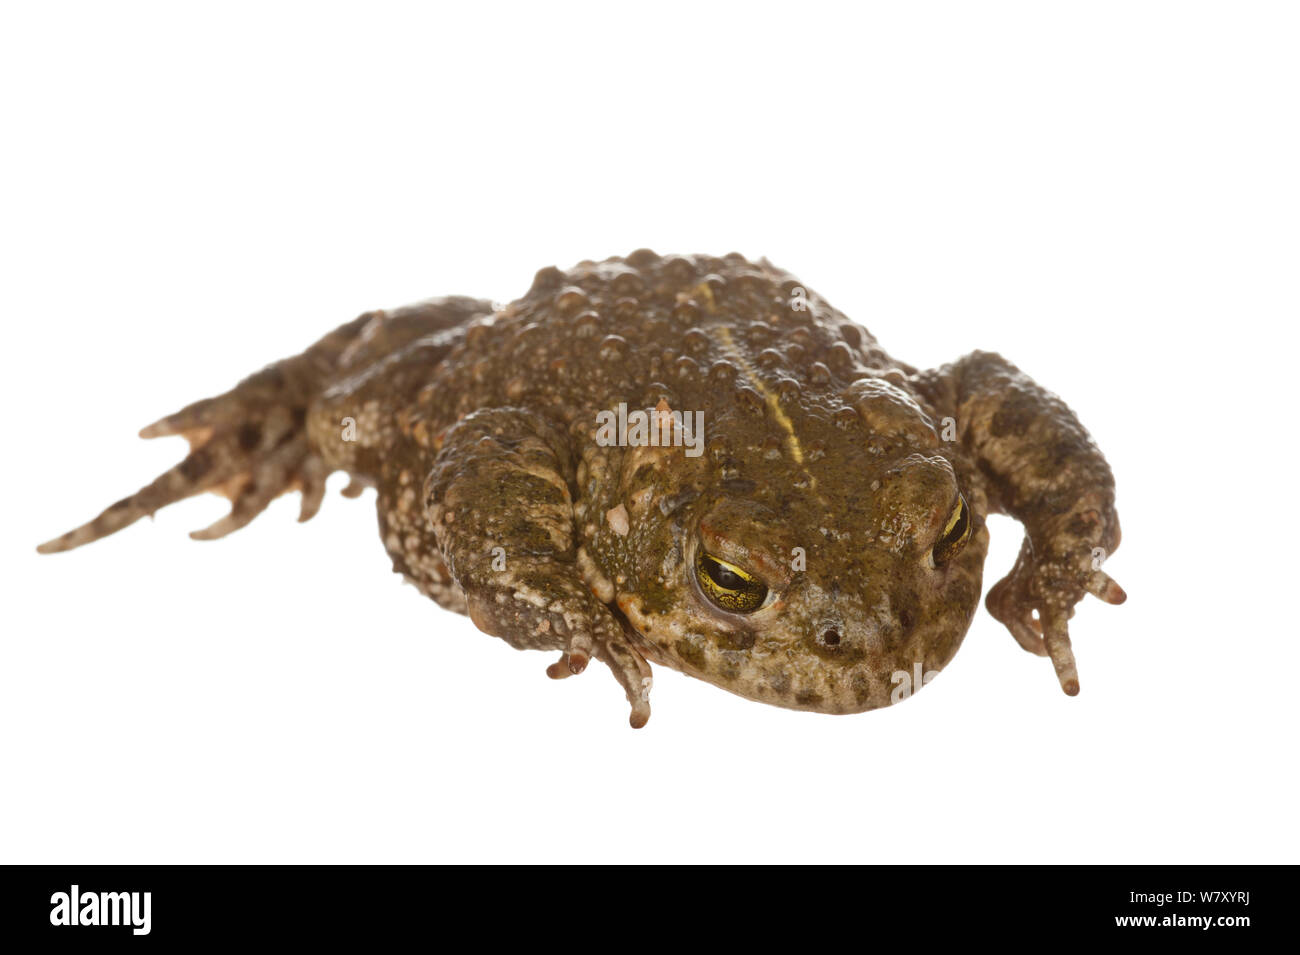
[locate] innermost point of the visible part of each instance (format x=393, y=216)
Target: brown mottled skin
x=828, y=475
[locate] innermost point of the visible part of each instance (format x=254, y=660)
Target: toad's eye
x=728, y=586
x=955, y=533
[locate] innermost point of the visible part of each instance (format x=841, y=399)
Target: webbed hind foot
x=249, y=445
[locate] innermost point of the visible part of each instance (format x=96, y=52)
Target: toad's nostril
x=831, y=637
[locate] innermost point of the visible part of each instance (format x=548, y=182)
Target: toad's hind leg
x=254, y=443
x=249, y=444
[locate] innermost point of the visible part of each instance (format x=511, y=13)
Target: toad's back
x=700, y=332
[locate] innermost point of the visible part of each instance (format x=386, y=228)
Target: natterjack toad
x=693, y=461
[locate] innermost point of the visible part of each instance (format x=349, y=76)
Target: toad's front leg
x=500, y=504
x=1043, y=469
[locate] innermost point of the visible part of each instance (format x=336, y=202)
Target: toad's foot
x=1052, y=573
x=569, y=616
x=249, y=445
x=628, y=666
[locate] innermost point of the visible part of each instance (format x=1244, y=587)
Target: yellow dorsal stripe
x=773, y=401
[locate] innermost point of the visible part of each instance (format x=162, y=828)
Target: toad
x=693, y=461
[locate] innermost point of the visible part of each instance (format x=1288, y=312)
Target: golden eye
x=955, y=533
x=728, y=586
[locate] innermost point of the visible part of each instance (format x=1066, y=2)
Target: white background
x=1104, y=192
